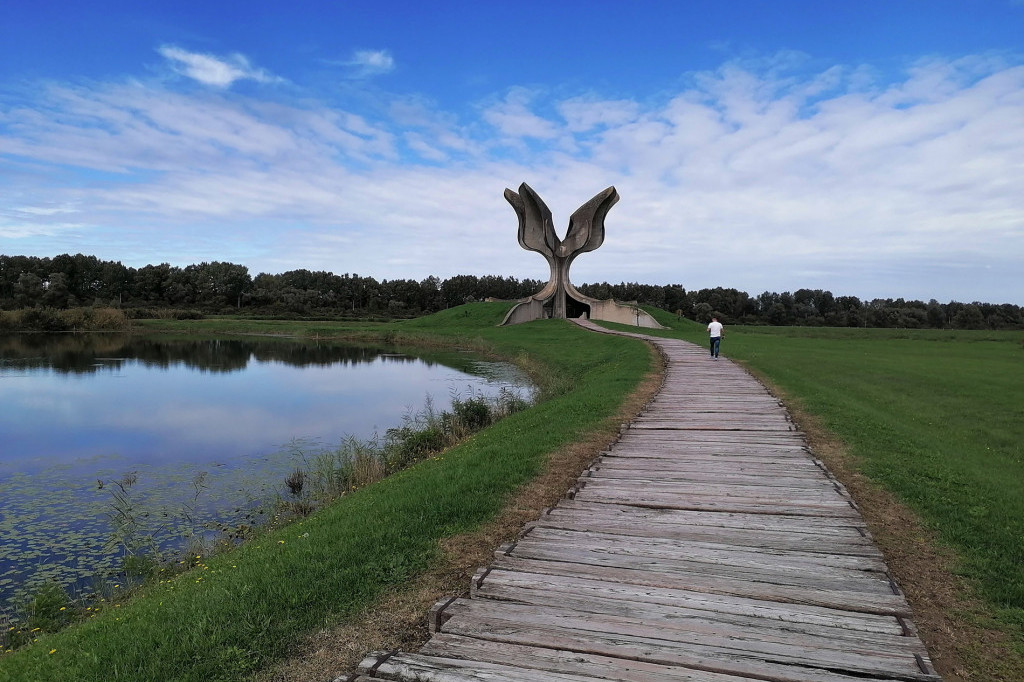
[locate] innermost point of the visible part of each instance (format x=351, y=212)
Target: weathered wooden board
x=818, y=533
x=710, y=502
x=731, y=656
x=726, y=519
x=666, y=576
x=821, y=490
x=722, y=565
x=403, y=666
x=501, y=583
x=451, y=652
x=691, y=624
x=712, y=472
x=821, y=563
x=732, y=648
x=738, y=537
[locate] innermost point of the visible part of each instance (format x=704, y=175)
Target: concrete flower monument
x=559, y=298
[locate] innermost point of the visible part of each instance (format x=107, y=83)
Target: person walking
x=717, y=331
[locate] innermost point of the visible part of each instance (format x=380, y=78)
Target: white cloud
x=210, y=70
x=367, y=63
x=752, y=179
x=513, y=119
x=584, y=114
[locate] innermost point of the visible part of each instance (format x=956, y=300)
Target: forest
x=71, y=281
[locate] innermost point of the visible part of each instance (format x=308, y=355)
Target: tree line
x=69, y=281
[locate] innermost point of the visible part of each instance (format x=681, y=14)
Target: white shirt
x=715, y=329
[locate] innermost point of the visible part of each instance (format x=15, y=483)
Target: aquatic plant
x=328, y=473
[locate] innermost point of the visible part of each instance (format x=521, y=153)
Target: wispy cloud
x=746, y=178
x=368, y=63
x=208, y=69
x=513, y=118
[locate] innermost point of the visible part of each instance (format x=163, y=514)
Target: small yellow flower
x=53, y=651
x=63, y=608
x=280, y=542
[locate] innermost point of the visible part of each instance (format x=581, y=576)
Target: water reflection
x=90, y=353
x=75, y=410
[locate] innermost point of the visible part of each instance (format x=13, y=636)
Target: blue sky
x=872, y=148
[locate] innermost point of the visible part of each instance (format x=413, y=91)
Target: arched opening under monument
x=574, y=308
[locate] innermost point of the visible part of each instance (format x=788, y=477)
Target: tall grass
x=326, y=474
x=237, y=612
x=69, y=320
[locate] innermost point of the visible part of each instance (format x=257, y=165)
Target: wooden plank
x=695, y=621
x=723, y=565
x=578, y=508
x=403, y=666
x=791, y=453
x=501, y=583
x=712, y=435
x=893, y=656
x=620, y=518
x=695, y=501
x=680, y=456
x=618, y=637
x=469, y=650
x=822, y=564
x=758, y=488
x=713, y=474
x=779, y=540
x=696, y=463
x=654, y=576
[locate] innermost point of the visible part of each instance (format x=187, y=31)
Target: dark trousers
x=716, y=341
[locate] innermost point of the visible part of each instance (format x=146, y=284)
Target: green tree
x=969, y=317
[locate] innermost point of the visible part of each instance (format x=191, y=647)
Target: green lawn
x=243, y=610
x=940, y=422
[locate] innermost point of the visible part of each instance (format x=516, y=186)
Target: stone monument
x=559, y=298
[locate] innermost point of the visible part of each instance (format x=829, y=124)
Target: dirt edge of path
x=399, y=621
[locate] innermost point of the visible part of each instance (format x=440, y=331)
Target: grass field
x=936, y=417
x=240, y=611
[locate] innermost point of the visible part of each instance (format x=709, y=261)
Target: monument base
x=608, y=310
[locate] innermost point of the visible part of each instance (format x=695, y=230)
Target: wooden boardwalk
x=706, y=545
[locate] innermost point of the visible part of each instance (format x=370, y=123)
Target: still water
x=209, y=428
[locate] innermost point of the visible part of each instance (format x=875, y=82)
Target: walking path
x=707, y=545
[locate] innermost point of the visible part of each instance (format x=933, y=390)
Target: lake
x=208, y=429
